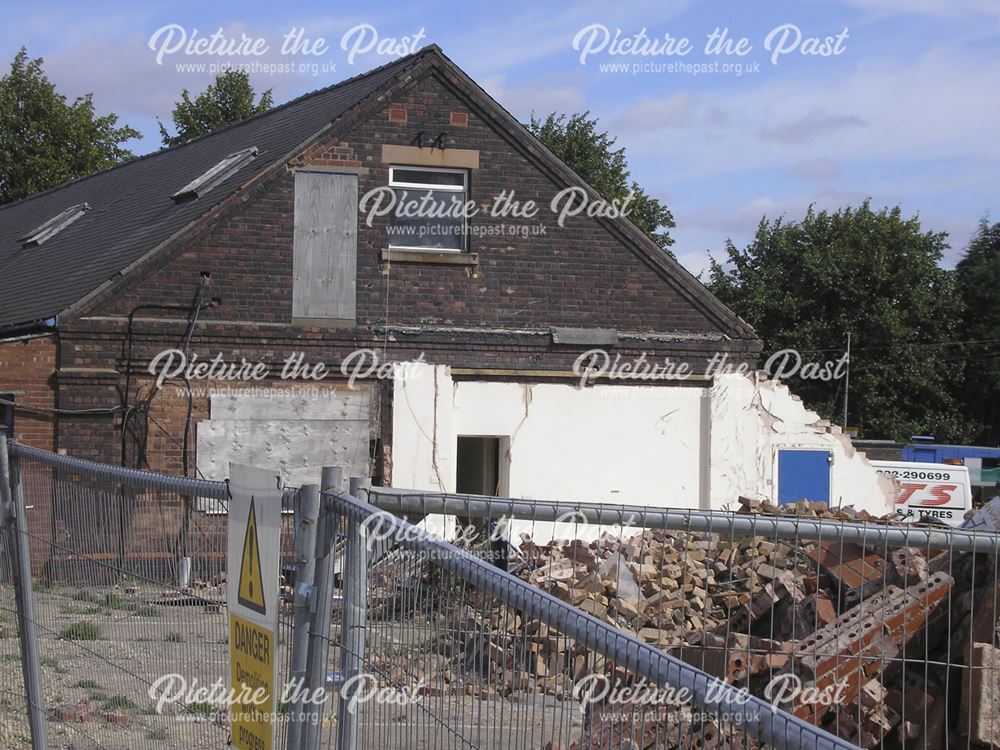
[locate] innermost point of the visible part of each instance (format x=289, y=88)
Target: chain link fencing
x=14, y=710
x=14, y=728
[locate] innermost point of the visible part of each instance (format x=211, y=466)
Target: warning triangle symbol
x=251, y=590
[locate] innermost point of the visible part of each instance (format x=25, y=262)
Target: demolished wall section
x=672, y=446
x=753, y=418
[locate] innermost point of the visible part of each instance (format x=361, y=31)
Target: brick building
x=265, y=245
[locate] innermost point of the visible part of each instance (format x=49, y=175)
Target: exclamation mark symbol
x=250, y=543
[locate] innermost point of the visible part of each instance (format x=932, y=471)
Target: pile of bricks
x=885, y=647
x=857, y=640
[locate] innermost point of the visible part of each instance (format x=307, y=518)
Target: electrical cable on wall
x=142, y=406
x=59, y=412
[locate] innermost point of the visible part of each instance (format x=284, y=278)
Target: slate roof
x=131, y=211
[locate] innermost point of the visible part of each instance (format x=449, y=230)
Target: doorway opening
x=482, y=465
x=483, y=470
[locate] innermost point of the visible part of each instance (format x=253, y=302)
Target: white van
x=938, y=492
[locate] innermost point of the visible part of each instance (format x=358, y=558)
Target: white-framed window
x=430, y=209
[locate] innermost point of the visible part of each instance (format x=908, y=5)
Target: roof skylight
x=225, y=168
x=54, y=225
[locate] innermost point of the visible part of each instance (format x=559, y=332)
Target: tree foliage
x=804, y=285
x=591, y=153
x=45, y=141
x=978, y=277
x=226, y=101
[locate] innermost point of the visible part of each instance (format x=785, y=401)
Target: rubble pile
x=864, y=642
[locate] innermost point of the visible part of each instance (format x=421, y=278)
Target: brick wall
x=584, y=274
x=26, y=370
x=576, y=275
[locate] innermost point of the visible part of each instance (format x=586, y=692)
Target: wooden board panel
x=325, y=252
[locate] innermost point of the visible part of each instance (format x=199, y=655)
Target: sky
x=799, y=102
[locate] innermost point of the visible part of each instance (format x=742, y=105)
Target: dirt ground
x=101, y=648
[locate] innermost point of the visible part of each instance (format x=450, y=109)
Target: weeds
x=52, y=663
x=119, y=703
x=202, y=708
x=81, y=631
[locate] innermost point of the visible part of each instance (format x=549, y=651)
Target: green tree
x=591, y=154
x=229, y=99
x=44, y=141
x=978, y=275
x=804, y=285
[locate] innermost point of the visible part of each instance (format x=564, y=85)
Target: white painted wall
x=423, y=436
x=753, y=418
x=666, y=446
x=606, y=443
x=615, y=444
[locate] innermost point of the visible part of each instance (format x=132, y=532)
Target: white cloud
x=814, y=169
x=547, y=94
x=928, y=7
x=807, y=127
x=526, y=36
x=696, y=262
x=959, y=229
x=124, y=77
x=675, y=111
x=47, y=30
x=934, y=107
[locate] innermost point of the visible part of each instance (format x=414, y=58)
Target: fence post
x=16, y=528
x=319, y=636
x=355, y=617
x=306, y=516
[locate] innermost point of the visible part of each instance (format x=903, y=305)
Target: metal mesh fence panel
x=449, y=649
x=883, y=635
x=14, y=729
x=130, y=605
x=538, y=625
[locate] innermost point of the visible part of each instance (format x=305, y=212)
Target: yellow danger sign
x=251, y=585
x=252, y=563
x=252, y=660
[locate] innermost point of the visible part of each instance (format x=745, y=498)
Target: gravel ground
x=100, y=650
x=102, y=647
